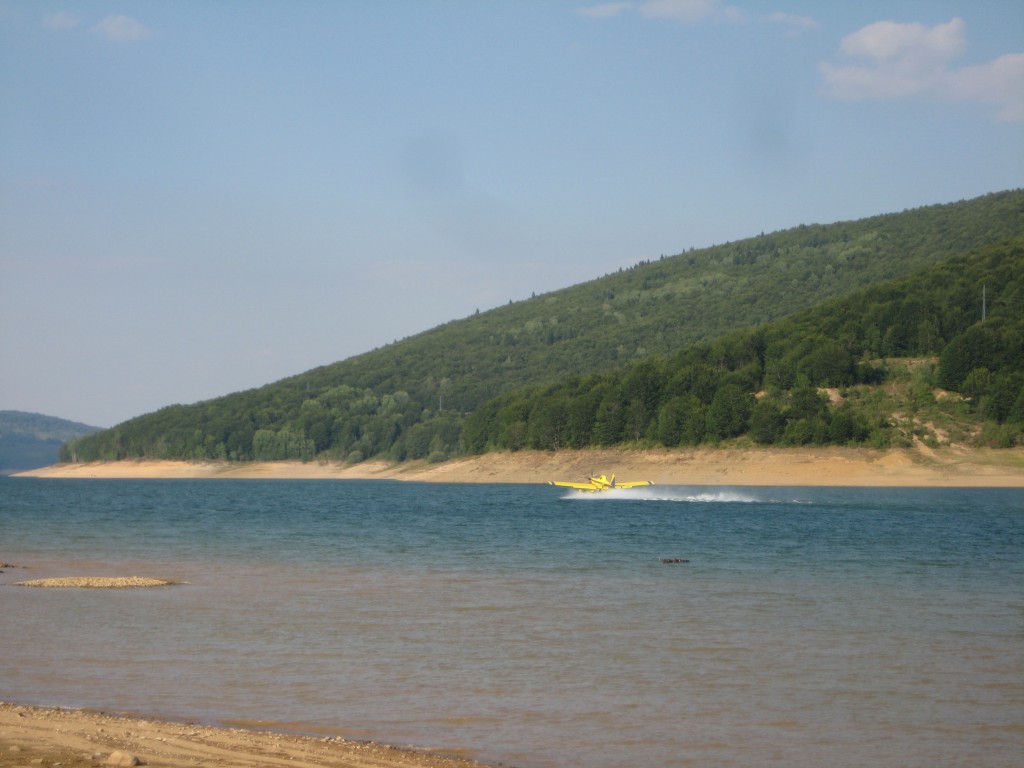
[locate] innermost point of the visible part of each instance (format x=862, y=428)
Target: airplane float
x=600, y=483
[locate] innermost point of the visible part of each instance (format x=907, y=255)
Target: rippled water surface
x=839, y=627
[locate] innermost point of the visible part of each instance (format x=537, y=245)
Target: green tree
x=977, y=347
x=636, y=420
x=977, y=384
x=829, y=364
x=513, y=426
x=547, y=424
x=1003, y=392
x=609, y=420
x=848, y=426
x=729, y=412
x=479, y=430
x=671, y=418
x=582, y=413
x=767, y=422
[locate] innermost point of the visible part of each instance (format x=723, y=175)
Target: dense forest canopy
x=683, y=349
x=811, y=378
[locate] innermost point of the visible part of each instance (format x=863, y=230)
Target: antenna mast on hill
x=984, y=306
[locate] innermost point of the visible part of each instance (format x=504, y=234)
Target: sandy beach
x=915, y=467
x=41, y=736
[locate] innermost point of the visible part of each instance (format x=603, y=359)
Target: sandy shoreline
x=917, y=467
x=70, y=737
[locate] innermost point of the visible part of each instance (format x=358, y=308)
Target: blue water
x=527, y=626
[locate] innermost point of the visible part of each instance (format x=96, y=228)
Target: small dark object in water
x=673, y=560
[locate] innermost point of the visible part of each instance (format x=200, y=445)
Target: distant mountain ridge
x=32, y=440
x=409, y=399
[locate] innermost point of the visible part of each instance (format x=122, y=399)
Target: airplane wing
x=600, y=484
x=578, y=486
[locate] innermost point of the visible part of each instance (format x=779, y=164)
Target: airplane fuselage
x=600, y=483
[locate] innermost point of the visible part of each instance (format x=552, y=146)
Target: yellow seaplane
x=600, y=483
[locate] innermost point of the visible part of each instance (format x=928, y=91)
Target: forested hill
x=937, y=356
x=409, y=399
x=31, y=440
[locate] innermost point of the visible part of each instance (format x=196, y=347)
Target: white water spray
x=667, y=493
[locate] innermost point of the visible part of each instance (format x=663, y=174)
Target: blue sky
x=202, y=197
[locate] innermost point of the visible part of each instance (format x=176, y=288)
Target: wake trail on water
x=679, y=494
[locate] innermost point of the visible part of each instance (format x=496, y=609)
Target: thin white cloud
x=61, y=21
x=692, y=12
x=795, y=24
x=890, y=41
x=122, y=29
x=899, y=61
x=1000, y=82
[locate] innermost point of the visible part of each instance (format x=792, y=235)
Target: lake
x=532, y=626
